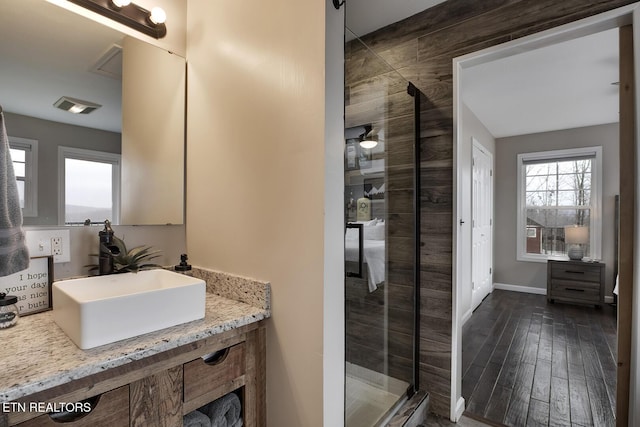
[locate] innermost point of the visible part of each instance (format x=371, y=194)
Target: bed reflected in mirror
x=365, y=205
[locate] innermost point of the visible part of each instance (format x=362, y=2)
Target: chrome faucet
x=107, y=249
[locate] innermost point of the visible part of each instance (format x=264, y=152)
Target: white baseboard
x=466, y=316
x=519, y=288
x=458, y=410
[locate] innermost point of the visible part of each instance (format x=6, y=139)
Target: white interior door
x=481, y=224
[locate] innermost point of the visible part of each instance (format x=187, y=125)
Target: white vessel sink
x=99, y=310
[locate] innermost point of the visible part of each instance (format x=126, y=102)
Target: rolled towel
x=223, y=412
x=196, y=419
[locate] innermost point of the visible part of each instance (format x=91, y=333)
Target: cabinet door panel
x=157, y=399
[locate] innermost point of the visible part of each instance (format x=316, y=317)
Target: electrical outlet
x=56, y=246
x=60, y=245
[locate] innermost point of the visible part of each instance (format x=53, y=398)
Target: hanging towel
x=224, y=412
x=196, y=419
x=14, y=256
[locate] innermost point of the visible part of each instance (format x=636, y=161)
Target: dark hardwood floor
x=527, y=362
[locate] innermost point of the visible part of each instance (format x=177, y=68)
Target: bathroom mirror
x=131, y=147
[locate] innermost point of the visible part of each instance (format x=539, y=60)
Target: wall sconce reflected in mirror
x=369, y=139
x=130, y=14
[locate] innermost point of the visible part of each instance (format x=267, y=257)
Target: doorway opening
x=536, y=282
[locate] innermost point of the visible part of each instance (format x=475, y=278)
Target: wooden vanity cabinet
x=159, y=390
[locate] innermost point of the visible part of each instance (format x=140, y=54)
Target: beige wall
x=255, y=176
x=152, y=135
x=534, y=274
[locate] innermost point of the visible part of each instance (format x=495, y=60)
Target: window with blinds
x=558, y=189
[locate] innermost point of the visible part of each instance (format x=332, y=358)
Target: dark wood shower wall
x=380, y=324
x=422, y=48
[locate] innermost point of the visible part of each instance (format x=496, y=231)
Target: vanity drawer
x=219, y=372
x=111, y=410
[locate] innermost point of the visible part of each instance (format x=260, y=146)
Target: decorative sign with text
x=32, y=286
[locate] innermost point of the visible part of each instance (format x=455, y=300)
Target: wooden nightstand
x=575, y=281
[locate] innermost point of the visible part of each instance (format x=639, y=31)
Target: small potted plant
x=128, y=260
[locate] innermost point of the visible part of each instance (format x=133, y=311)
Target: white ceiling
x=366, y=16
x=46, y=52
x=563, y=86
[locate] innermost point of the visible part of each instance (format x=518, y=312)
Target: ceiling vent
x=110, y=63
x=76, y=106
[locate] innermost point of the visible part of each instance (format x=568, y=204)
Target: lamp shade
x=575, y=234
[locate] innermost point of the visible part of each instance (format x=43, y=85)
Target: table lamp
x=576, y=236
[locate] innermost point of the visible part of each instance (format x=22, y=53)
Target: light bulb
x=77, y=109
x=368, y=143
x=158, y=16
x=121, y=3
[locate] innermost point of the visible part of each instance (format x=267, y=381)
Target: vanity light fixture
x=151, y=23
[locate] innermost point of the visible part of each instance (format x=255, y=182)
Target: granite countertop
x=36, y=354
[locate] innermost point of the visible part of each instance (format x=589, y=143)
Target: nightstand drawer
x=575, y=290
x=586, y=286
x=582, y=273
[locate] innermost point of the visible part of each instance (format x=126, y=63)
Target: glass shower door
x=379, y=238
